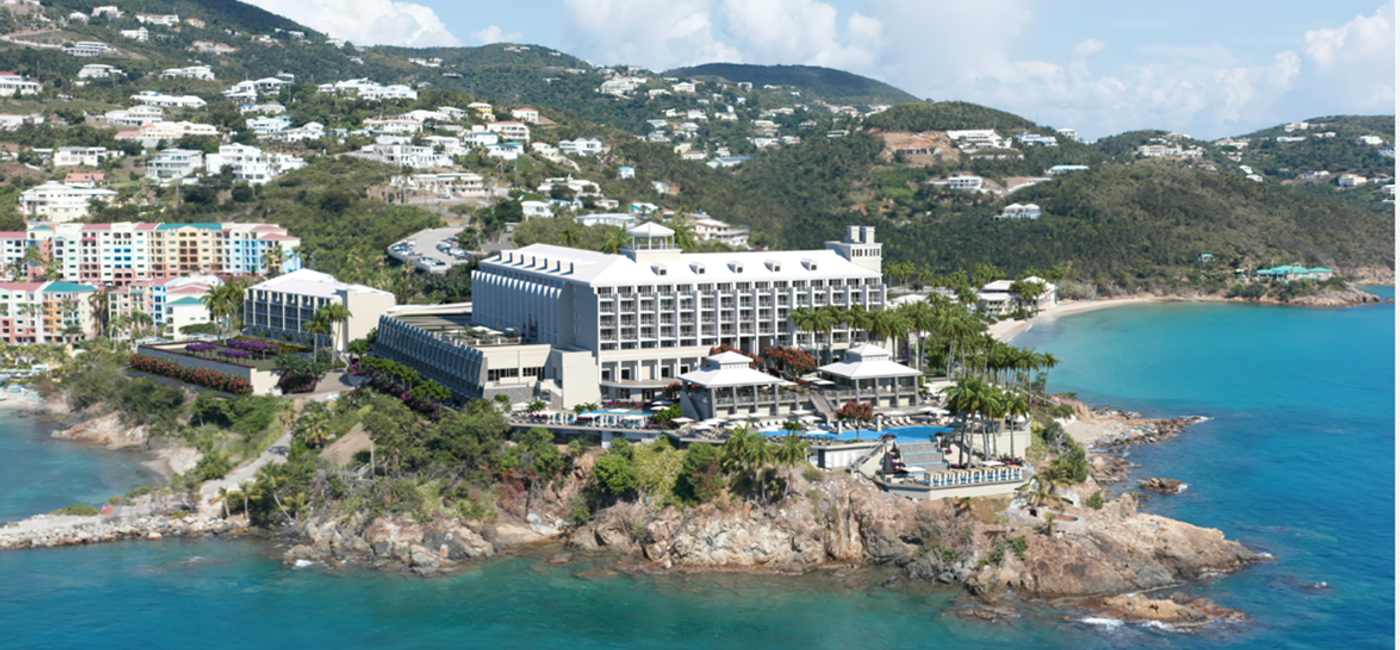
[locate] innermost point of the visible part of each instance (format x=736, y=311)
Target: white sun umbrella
x=682, y=420
x=658, y=407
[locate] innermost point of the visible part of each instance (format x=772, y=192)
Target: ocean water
x=1299, y=463
x=40, y=474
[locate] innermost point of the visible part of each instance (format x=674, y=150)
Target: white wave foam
x=1158, y=625
x=1110, y=623
x=302, y=564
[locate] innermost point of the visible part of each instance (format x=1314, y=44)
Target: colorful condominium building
x=45, y=312
x=117, y=254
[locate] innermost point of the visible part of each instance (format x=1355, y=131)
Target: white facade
x=98, y=71
x=81, y=156
x=250, y=164
x=174, y=163
x=582, y=146
x=153, y=98
x=400, y=155
x=58, y=202
x=652, y=313
x=511, y=130
x=13, y=85
x=134, y=116
x=283, y=307
x=86, y=48
x=194, y=72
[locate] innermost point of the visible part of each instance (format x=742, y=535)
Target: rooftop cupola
x=860, y=247
x=652, y=243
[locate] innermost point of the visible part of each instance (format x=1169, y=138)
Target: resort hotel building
x=282, y=308
x=572, y=326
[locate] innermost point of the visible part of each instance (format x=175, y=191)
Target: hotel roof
x=306, y=282
x=603, y=269
x=868, y=362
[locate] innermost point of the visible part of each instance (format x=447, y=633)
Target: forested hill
x=1145, y=224
x=837, y=86
x=946, y=116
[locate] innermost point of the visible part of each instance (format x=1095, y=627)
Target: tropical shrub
x=211, y=379
x=79, y=509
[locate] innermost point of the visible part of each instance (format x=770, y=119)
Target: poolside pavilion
x=868, y=375
x=726, y=387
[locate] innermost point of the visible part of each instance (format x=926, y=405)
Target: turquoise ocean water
x=1298, y=462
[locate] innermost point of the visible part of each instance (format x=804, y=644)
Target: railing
x=974, y=476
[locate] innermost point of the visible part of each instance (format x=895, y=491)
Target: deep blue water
x=1299, y=462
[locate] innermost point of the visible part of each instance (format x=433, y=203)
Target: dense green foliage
x=945, y=116
x=77, y=509
x=836, y=86
x=1147, y=223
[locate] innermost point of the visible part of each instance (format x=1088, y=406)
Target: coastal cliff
x=998, y=549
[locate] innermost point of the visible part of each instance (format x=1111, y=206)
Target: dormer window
x=775, y=266
x=697, y=268
x=737, y=267
x=660, y=269
x=809, y=264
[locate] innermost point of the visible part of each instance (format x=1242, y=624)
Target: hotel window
x=723, y=286
x=742, y=286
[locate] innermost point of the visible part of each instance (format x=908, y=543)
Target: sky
x=1205, y=68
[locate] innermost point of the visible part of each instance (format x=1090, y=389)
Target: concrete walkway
x=277, y=453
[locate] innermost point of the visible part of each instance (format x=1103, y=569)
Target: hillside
x=1148, y=224
x=946, y=116
x=1317, y=151
x=835, y=86
x=789, y=174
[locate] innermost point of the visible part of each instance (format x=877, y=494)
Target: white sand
x=1009, y=329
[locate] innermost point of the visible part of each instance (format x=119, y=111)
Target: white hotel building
x=640, y=319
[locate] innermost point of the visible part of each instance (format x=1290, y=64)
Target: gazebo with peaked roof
x=726, y=384
x=867, y=373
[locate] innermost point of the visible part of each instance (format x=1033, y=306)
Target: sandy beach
x=1009, y=329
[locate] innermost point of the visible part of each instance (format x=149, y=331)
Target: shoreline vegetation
x=1064, y=542
x=1007, y=330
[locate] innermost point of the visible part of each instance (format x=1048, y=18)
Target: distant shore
x=1008, y=329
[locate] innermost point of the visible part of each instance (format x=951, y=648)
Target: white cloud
x=1202, y=89
x=658, y=35
x=949, y=49
x=1089, y=47
x=494, y=34
x=802, y=31
x=368, y=22
x=663, y=35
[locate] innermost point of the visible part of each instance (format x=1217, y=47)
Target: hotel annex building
x=572, y=326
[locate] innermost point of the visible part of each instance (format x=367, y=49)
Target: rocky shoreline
x=999, y=550
x=49, y=531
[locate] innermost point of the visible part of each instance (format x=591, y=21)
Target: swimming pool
x=614, y=412
x=921, y=433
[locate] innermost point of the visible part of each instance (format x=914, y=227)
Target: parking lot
x=433, y=251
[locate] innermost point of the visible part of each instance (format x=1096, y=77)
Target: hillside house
x=98, y=71
x=201, y=72
x=81, y=156
x=526, y=114
x=14, y=85
x=1019, y=211
x=55, y=201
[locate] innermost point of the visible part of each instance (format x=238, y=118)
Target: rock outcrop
x=1181, y=610
x=1163, y=485
x=401, y=543
x=106, y=430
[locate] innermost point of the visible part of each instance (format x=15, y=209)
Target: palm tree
x=685, y=233
x=274, y=258
x=888, y=324
x=747, y=453
x=615, y=241
x=922, y=317
x=816, y=322
x=1017, y=404
x=318, y=327
x=570, y=236
x=791, y=452
x=224, y=302
x=334, y=314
